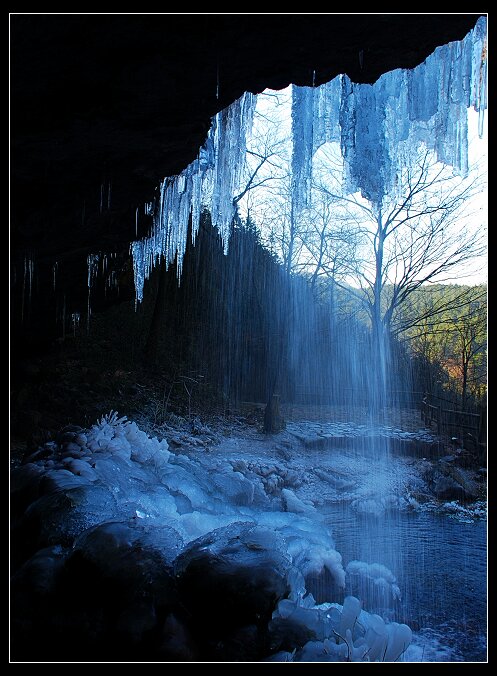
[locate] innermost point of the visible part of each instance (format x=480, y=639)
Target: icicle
x=379, y=127
x=23, y=291
x=136, y=222
x=196, y=204
x=111, y=282
x=232, y=126
x=108, y=195
x=383, y=125
x=75, y=319
x=54, y=273
x=480, y=54
x=92, y=263
x=212, y=180
x=27, y=285
x=30, y=279
x=303, y=145
x=138, y=257
x=64, y=318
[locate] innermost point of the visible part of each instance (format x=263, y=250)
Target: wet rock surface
x=240, y=573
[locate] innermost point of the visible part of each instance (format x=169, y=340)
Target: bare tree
x=378, y=254
x=420, y=235
x=266, y=157
x=328, y=240
x=263, y=167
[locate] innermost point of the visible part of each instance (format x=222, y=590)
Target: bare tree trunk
x=273, y=422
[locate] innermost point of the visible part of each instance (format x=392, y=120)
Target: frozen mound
x=123, y=550
x=335, y=633
x=377, y=579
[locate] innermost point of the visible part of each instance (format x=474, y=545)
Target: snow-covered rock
x=187, y=555
x=252, y=555
x=238, y=573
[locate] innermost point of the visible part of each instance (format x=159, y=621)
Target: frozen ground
x=339, y=462
x=229, y=527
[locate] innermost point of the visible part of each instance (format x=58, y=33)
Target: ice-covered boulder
x=128, y=570
x=239, y=573
x=125, y=550
x=301, y=631
x=294, y=623
x=34, y=609
x=37, y=577
x=109, y=595
x=59, y=517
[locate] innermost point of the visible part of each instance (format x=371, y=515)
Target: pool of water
x=440, y=565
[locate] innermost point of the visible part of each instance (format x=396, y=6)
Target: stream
x=441, y=572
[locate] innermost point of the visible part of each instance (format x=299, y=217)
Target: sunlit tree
x=422, y=234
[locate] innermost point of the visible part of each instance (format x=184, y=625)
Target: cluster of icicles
x=379, y=127
x=347, y=634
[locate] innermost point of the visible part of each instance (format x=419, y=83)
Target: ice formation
x=379, y=575
x=211, y=180
x=27, y=284
x=378, y=126
x=92, y=266
x=120, y=500
x=342, y=633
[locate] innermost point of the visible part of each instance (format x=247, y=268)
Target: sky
x=478, y=153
